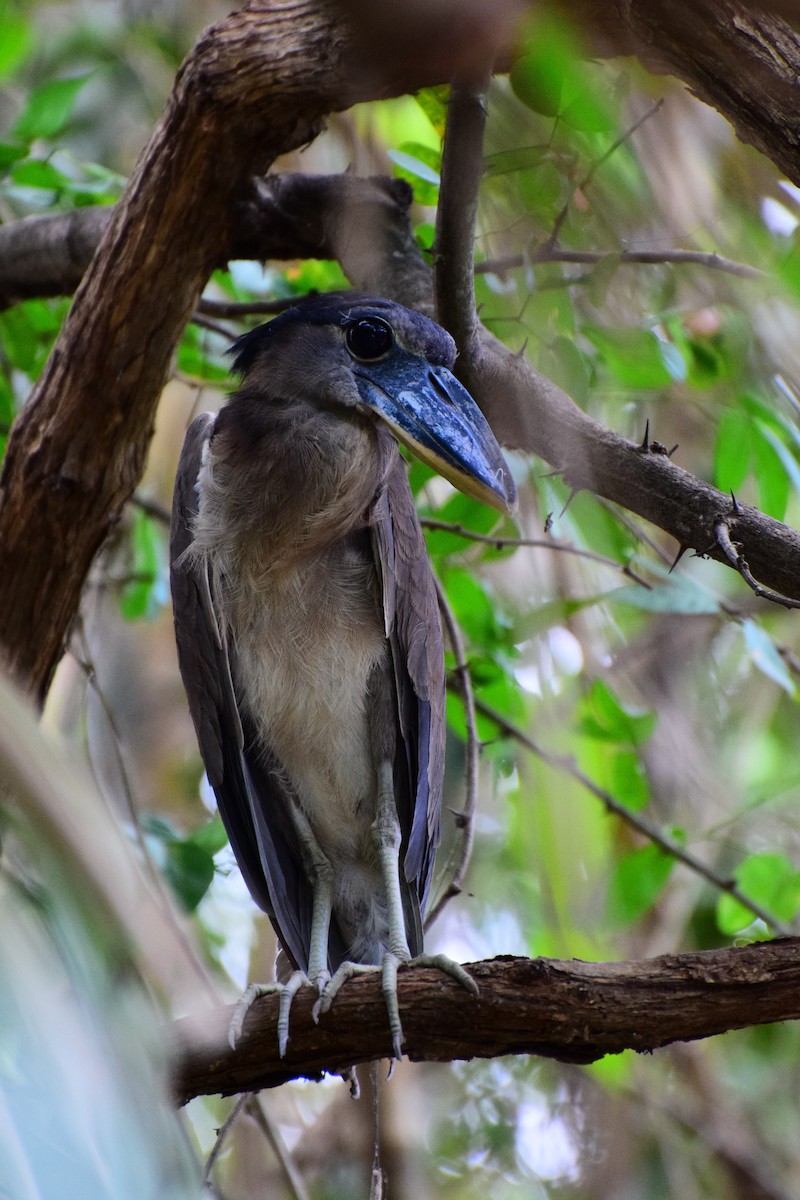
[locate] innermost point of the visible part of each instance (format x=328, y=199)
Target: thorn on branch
x=573, y=493
x=654, y=447
x=681, y=551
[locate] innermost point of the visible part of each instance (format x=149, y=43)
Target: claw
x=253, y=992
x=388, y=968
x=286, y=992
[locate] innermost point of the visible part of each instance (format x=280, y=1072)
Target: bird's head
x=373, y=356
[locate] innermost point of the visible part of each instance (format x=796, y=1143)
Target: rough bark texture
x=256, y=85
x=742, y=59
x=283, y=217
x=572, y=1011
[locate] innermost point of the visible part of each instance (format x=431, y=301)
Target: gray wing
x=414, y=630
x=248, y=785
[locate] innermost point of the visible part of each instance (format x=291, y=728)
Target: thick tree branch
x=282, y=217
x=738, y=57
x=571, y=1011
x=530, y=412
x=256, y=85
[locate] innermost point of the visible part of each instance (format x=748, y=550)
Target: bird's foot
x=286, y=992
x=388, y=968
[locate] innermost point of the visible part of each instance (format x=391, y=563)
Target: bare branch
x=584, y=183
x=571, y=1011
x=547, y=253
x=272, y=1133
x=545, y=543
x=560, y=762
x=255, y=85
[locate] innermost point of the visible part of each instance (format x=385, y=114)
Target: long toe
x=254, y=991
x=345, y=971
x=449, y=967
x=389, y=983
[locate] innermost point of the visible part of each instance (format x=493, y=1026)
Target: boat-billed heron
x=308, y=629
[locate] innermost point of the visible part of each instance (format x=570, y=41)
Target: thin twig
x=465, y=820
x=561, y=762
x=270, y=1130
x=583, y=184
x=736, y=558
x=234, y=309
x=153, y=508
x=548, y=253
x=212, y=326
x=222, y=1134
x=534, y=543
x=86, y=665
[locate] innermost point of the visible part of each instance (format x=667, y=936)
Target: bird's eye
x=369, y=339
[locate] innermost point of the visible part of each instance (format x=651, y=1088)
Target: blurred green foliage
x=674, y=691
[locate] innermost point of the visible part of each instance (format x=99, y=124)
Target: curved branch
x=257, y=84
x=571, y=1011
x=739, y=57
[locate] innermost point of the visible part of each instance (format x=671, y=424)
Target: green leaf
x=15, y=42
x=567, y=366
x=472, y=607
x=146, y=593
x=419, y=160
x=211, y=836
x=637, y=881
x=11, y=152
x=433, y=102
x=788, y=460
x=38, y=173
x=763, y=654
x=604, y=716
x=187, y=862
x=636, y=357
x=48, y=108
x=770, y=880
x=678, y=595
x=628, y=781
x=732, y=449
x=554, y=78
x=420, y=166
x=189, y=870
x=587, y=100
x=27, y=332
x=537, y=79
x=542, y=189
x=771, y=477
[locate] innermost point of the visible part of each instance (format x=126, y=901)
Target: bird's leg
x=320, y=874
x=387, y=837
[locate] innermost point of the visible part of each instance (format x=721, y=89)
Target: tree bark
x=571, y=1011
x=256, y=85
x=742, y=59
